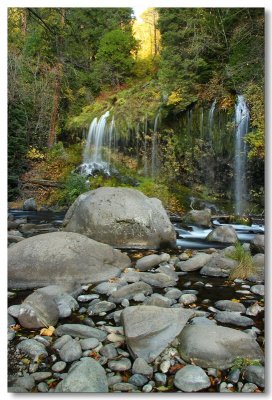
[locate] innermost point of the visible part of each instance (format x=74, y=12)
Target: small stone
x=114, y=379
x=59, y=366
x=121, y=365
x=187, y=299
x=125, y=303
x=114, y=338
x=140, y=366
x=42, y=387
x=109, y=351
x=84, y=298
x=41, y=376
x=255, y=374
x=89, y=343
x=71, y=351
x=257, y=289
x=249, y=388
x=187, y=284
x=164, y=366
x=138, y=380
x=59, y=343
x=160, y=378
x=123, y=387
x=139, y=297
x=212, y=372
x=147, y=388
x=191, y=378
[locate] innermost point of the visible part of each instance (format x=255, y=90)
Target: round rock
x=191, y=378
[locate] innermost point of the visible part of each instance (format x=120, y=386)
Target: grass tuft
x=245, y=268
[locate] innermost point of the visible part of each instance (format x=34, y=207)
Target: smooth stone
x=81, y=331
x=254, y=309
x=87, y=297
x=216, y=346
x=148, y=262
x=255, y=374
x=109, y=287
x=202, y=321
x=41, y=376
x=32, y=348
x=129, y=291
x=168, y=270
x=84, y=376
x=11, y=320
x=257, y=244
x=160, y=378
x=191, y=378
x=102, y=306
x=223, y=234
x=219, y=266
x=198, y=217
x=14, y=310
x=140, y=297
x=258, y=289
x=60, y=342
x=59, y=366
x=138, y=380
x=158, y=300
x=121, y=365
x=26, y=381
x=234, y=318
x=194, y=263
x=114, y=379
x=228, y=305
x=42, y=387
x=147, y=388
x=165, y=365
x=125, y=303
x=137, y=221
x=187, y=299
x=249, y=388
x=140, y=366
x=148, y=340
x=234, y=376
x=123, y=387
x=109, y=351
x=173, y=293
x=130, y=276
x=71, y=351
x=183, y=257
x=89, y=343
x=159, y=279
x=30, y=204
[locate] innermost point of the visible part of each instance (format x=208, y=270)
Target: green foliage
x=74, y=185
x=57, y=151
x=242, y=363
x=245, y=267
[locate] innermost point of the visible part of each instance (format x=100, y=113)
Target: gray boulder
x=195, y=263
x=32, y=348
x=121, y=217
x=149, y=329
x=228, y=305
x=85, y=376
x=223, y=234
x=30, y=205
x=191, y=378
x=198, y=217
x=233, y=318
x=219, y=266
x=62, y=257
x=216, y=346
x=257, y=244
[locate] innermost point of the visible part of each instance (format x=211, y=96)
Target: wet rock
x=147, y=388
x=219, y=266
x=14, y=310
x=255, y=374
x=112, y=379
x=159, y=279
x=32, y=348
x=121, y=365
x=84, y=376
x=129, y=291
x=42, y=387
x=130, y=276
x=137, y=221
x=195, y=263
x=234, y=376
x=148, y=262
x=233, y=318
x=191, y=378
x=228, y=305
x=140, y=366
x=223, y=234
x=109, y=351
x=186, y=299
x=158, y=300
x=59, y=366
x=257, y=244
x=32, y=262
x=102, y=306
x=30, y=205
x=87, y=344
x=81, y=331
x=258, y=289
x=173, y=293
x=198, y=217
x=216, y=346
x=59, y=343
x=71, y=351
x=160, y=378
x=148, y=340
x=138, y=380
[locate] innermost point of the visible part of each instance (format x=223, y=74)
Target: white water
x=241, y=129
x=211, y=114
x=154, y=151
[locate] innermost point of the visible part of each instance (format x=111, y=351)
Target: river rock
x=38, y=310
x=158, y=300
x=228, y=305
x=123, y=364
x=168, y=270
x=233, y=318
x=148, y=262
x=81, y=331
x=84, y=376
x=102, y=306
x=216, y=346
x=121, y=217
x=187, y=298
x=258, y=289
x=191, y=378
x=194, y=263
x=30, y=205
x=149, y=329
x=259, y=264
x=257, y=244
x=71, y=351
x=159, y=279
x=255, y=374
x=223, y=234
x=140, y=366
x=129, y=291
x=109, y=287
x=198, y=217
x=60, y=257
x=219, y=266
x=32, y=348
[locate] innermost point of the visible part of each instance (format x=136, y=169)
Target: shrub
x=245, y=267
x=74, y=186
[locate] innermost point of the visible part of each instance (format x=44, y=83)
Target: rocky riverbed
x=164, y=325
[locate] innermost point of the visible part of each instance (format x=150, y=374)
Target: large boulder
x=216, y=346
x=149, y=329
x=30, y=205
x=60, y=258
x=223, y=234
x=257, y=244
x=121, y=217
x=198, y=217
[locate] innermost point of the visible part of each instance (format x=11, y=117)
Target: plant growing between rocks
x=245, y=267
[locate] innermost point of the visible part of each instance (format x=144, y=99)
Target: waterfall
x=145, y=148
x=154, y=150
x=92, y=154
x=211, y=114
x=241, y=129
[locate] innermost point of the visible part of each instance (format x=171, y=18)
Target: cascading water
x=92, y=154
x=211, y=115
x=241, y=129
x=154, y=152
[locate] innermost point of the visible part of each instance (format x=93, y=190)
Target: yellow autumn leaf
x=235, y=300
x=47, y=331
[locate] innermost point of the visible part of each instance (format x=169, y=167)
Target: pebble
x=42, y=387
x=41, y=376
x=160, y=378
x=234, y=376
x=138, y=380
x=123, y=387
x=187, y=299
x=89, y=343
x=257, y=289
x=249, y=388
x=87, y=297
x=208, y=285
x=139, y=297
x=71, y=351
x=109, y=351
x=125, y=303
x=59, y=366
x=147, y=388
x=121, y=365
x=114, y=379
x=140, y=366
